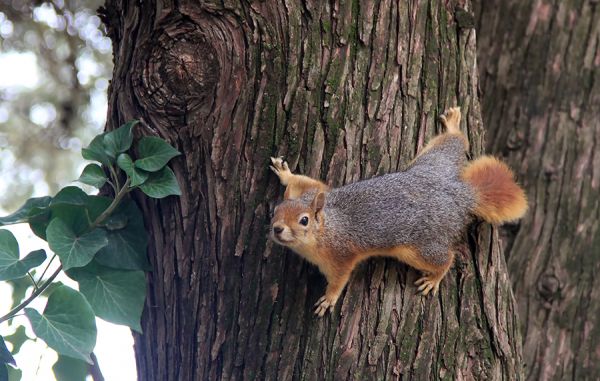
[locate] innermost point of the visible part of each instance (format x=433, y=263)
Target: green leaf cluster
x=149, y=172
x=98, y=241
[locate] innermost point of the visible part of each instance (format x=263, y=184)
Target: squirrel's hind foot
x=451, y=120
x=428, y=283
x=323, y=304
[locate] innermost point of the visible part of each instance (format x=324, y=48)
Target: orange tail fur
x=499, y=198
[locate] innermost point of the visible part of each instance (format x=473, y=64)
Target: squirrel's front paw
x=427, y=284
x=451, y=119
x=323, y=304
x=281, y=169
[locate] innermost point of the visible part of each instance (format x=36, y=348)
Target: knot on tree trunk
x=179, y=70
x=549, y=288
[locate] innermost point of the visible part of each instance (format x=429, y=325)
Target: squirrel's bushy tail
x=499, y=198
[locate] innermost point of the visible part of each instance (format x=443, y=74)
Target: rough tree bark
x=345, y=90
x=539, y=62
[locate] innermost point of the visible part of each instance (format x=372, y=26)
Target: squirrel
x=414, y=215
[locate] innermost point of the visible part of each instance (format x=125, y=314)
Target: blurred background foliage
x=55, y=63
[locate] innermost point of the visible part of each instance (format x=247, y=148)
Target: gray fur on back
x=426, y=206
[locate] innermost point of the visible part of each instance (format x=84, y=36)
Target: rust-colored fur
x=296, y=185
x=499, y=198
x=433, y=274
x=299, y=185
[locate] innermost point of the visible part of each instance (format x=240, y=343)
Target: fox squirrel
x=414, y=216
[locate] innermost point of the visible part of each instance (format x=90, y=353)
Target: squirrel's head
x=295, y=222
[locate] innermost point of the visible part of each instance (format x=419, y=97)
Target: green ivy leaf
x=9, y=254
x=96, y=151
x=115, y=295
x=5, y=356
x=116, y=222
x=67, y=325
x=72, y=249
x=119, y=140
x=154, y=153
x=161, y=184
x=126, y=247
x=126, y=234
x=69, y=369
x=93, y=175
x=50, y=289
x=38, y=221
x=70, y=205
x=34, y=259
x=75, y=216
x=70, y=195
x=17, y=339
x=11, y=267
x=137, y=176
x=66, y=204
x=96, y=205
x=22, y=214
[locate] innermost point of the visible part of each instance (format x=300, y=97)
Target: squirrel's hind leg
x=451, y=121
x=296, y=185
x=433, y=276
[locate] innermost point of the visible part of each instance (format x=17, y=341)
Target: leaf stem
x=115, y=178
x=34, y=295
x=115, y=202
x=47, y=267
x=122, y=192
x=35, y=285
x=94, y=369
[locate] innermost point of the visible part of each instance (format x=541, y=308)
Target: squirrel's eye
x=304, y=221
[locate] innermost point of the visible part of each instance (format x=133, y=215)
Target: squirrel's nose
x=277, y=229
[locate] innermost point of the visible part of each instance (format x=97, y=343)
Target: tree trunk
x=540, y=69
x=345, y=91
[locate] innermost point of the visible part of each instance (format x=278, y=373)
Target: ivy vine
x=99, y=242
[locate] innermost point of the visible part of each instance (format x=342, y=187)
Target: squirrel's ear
x=318, y=203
